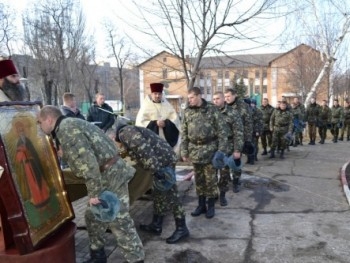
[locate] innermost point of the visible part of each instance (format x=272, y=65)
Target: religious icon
x=34, y=171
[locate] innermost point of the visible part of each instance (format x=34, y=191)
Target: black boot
x=155, y=227
x=348, y=138
x=97, y=256
x=211, y=208
x=223, y=200
x=236, y=184
x=264, y=152
x=272, y=154
x=201, y=208
x=282, y=154
x=341, y=138
x=251, y=159
x=256, y=157
x=180, y=232
x=335, y=139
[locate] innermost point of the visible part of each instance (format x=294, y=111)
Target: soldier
x=91, y=154
x=325, y=117
x=232, y=100
x=153, y=153
x=297, y=124
x=337, y=120
x=301, y=117
x=281, y=125
x=311, y=117
x=258, y=126
x=203, y=133
x=234, y=122
x=346, y=125
x=266, y=136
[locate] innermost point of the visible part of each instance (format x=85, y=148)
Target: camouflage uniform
x=311, y=117
x=281, y=123
x=324, y=118
x=258, y=127
x=346, y=125
x=151, y=152
x=298, y=119
x=86, y=148
x=266, y=136
x=203, y=133
x=336, y=121
x=234, y=122
x=246, y=115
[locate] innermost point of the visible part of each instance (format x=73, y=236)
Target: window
x=257, y=74
x=245, y=74
x=164, y=59
x=264, y=89
x=227, y=74
x=257, y=88
x=264, y=74
x=208, y=90
x=165, y=73
x=202, y=90
x=220, y=74
x=201, y=75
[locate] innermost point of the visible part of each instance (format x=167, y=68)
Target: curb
x=344, y=181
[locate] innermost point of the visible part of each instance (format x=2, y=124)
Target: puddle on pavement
x=188, y=256
x=252, y=182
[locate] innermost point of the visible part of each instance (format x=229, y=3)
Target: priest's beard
x=14, y=91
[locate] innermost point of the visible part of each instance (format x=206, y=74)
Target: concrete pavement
x=291, y=210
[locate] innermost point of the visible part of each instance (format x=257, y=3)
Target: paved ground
x=291, y=210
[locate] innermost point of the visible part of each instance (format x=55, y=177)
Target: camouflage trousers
x=312, y=131
x=170, y=198
x=346, y=128
x=266, y=139
x=322, y=131
x=335, y=130
x=122, y=227
x=278, y=140
x=206, y=180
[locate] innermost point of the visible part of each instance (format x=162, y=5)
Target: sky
x=97, y=11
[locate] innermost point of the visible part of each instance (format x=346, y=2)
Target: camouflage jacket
x=203, y=132
x=267, y=112
x=234, y=122
x=312, y=112
x=337, y=114
x=346, y=115
x=246, y=115
x=85, y=148
x=297, y=113
x=301, y=108
x=146, y=148
x=258, y=121
x=325, y=115
x=281, y=120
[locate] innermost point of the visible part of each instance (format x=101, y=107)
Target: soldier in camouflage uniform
x=346, y=125
x=280, y=124
x=324, y=117
x=337, y=120
x=301, y=117
x=266, y=136
x=234, y=122
x=152, y=152
x=297, y=124
x=93, y=156
x=232, y=100
x=311, y=117
x=258, y=127
x=203, y=133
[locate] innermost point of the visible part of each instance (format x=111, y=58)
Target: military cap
x=233, y=164
x=218, y=161
x=164, y=179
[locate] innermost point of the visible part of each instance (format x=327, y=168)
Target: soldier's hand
x=94, y=201
x=236, y=155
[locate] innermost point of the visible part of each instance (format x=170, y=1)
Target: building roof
x=238, y=61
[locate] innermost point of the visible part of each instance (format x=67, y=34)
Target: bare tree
x=195, y=28
x=121, y=52
x=55, y=35
x=7, y=30
x=327, y=23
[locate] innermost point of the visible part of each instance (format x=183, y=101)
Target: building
x=271, y=76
